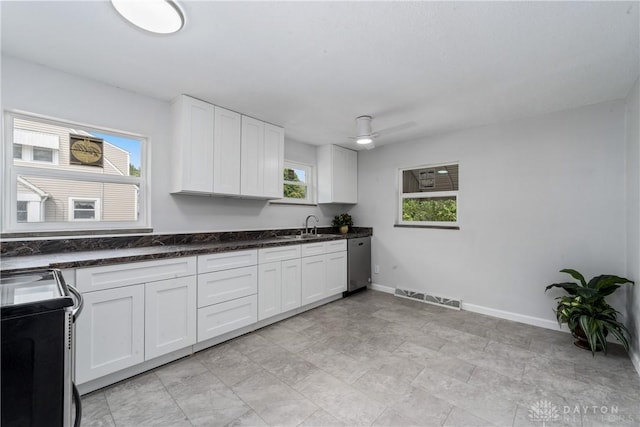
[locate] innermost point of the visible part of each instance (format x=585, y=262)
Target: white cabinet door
x=269, y=290
x=313, y=278
x=252, y=157
x=273, y=161
x=192, y=122
x=170, y=316
x=291, y=293
x=336, y=273
x=110, y=332
x=345, y=175
x=226, y=152
x=218, y=319
x=337, y=174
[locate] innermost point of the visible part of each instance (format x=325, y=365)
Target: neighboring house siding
x=118, y=202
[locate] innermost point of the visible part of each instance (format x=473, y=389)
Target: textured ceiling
x=315, y=67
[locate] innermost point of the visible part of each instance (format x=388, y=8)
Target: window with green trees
x=297, y=182
x=429, y=195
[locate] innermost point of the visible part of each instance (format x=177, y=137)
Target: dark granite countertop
x=106, y=256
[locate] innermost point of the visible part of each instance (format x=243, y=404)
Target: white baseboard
x=516, y=317
x=382, y=288
x=522, y=318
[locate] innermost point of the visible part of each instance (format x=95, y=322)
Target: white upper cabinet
x=337, y=175
x=192, y=145
x=262, y=159
x=273, y=161
x=252, y=155
x=221, y=152
x=226, y=152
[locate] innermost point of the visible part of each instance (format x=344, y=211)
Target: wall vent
x=455, y=304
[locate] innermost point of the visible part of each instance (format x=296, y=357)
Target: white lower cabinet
x=325, y=273
x=279, y=287
x=313, y=278
x=270, y=290
x=110, y=332
x=137, y=312
x=170, y=316
x=227, y=288
x=279, y=280
x=291, y=284
x=218, y=319
x=336, y=268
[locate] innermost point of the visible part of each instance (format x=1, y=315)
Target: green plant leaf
x=575, y=275
x=570, y=287
x=620, y=337
x=586, y=326
x=607, y=280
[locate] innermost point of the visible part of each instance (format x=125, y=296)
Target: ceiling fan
x=366, y=135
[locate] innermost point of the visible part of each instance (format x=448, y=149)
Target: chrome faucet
x=306, y=224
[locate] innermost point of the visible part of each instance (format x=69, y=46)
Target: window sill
x=441, y=227
x=74, y=233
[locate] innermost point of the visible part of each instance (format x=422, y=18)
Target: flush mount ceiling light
x=156, y=16
x=364, y=130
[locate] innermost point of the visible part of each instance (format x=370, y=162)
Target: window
x=42, y=155
x=17, y=151
x=35, y=146
x=64, y=176
x=429, y=196
x=84, y=209
x=297, y=183
x=22, y=210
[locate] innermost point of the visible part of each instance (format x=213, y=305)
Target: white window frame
x=27, y=155
x=428, y=195
x=96, y=209
x=12, y=170
x=309, y=172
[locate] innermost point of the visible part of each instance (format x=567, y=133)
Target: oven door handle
x=77, y=308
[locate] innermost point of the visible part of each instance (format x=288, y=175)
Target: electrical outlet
x=376, y=269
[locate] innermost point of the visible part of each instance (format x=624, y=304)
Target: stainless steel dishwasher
x=359, y=263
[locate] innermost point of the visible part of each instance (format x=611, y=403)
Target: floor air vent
x=429, y=299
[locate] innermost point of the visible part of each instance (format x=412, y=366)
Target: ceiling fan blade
x=397, y=128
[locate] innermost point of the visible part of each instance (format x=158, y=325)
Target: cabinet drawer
x=311, y=249
x=113, y=276
x=219, y=319
x=280, y=253
x=226, y=285
x=336, y=246
x=226, y=261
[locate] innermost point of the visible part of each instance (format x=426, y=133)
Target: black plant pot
x=581, y=339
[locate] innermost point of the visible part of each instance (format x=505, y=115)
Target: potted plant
x=342, y=222
x=587, y=314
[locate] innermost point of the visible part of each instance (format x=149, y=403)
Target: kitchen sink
x=303, y=236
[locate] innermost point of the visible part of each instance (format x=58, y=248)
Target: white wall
x=41, y=90
x=633, y=219
x=536, y=196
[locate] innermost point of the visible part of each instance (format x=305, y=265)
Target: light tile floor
x=373, y=359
